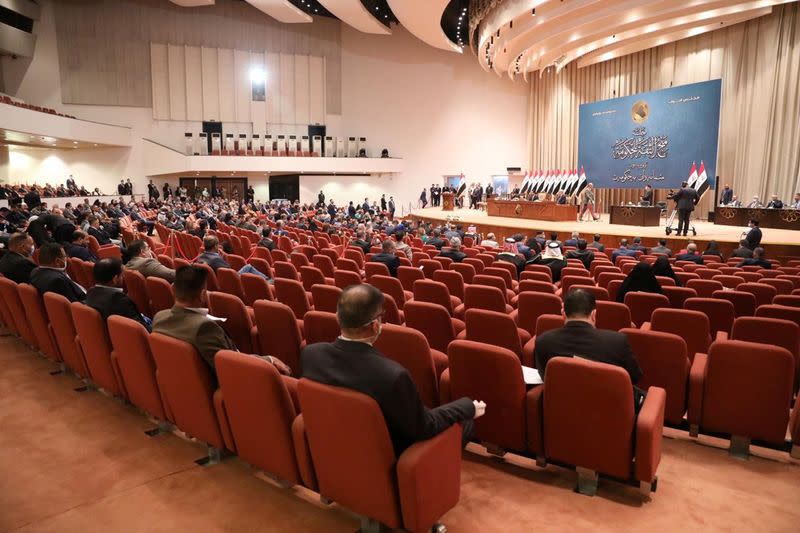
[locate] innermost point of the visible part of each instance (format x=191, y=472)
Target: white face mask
x=33, y=249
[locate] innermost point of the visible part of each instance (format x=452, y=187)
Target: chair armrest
x=697, y=376
x=646, y=326
x=721, y=336
x=222, y=418
x=527, y=353
x=534, y=406
x=515, y=316
x=429, y=479
x=303, y=454
x=444, y=387
x=649, y=429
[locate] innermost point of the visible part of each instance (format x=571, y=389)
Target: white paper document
x=531, y=376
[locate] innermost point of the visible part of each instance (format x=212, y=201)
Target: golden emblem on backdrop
x=727, y=212
x=640, y=111
x=790, y=215
x=627, y=212
x=518, y=210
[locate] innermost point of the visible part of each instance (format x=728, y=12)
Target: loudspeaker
x=209, y=127
x=317, y=130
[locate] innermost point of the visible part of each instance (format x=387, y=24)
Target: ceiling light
x=257, y=75
x=74, y=142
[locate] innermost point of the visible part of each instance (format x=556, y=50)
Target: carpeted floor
x=81, y=462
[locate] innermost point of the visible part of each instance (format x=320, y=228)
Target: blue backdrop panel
x=651, y=137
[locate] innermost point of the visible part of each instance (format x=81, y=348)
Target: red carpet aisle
x=81, y=462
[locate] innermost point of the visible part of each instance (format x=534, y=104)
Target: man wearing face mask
x=143, y=261
x=353, y=363
x=51, y=274
x=189, y=321
x=16, y=264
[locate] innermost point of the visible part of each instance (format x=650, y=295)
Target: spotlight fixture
x=257, y=75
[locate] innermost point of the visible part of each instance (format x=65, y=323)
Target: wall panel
x=273, y=87
x=227, y=95
x=177, y=82
x=159, y=66
x=316, y=71
x=287, y=89
x=210, y=84
x=302, y=91
x=241, y=85
x=194, y=83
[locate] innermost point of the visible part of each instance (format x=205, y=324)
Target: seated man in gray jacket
x=143, y=261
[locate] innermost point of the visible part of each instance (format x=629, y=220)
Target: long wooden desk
x=549, y=211
x=767, y=218
x=632, y=215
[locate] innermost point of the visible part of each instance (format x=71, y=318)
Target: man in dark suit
x=661, y=248
x=757, y=259
x=97, y=231
x=437, y=240
x=685, y=200
x=211, y=255
x=188, y=320
x=690, y=255
x=585, y=256
x=637, y=245
x=775, y=202
x=388, y=256
x=32, y=199
x=580, y=338
x=50, y=276
x=622, y=250
x=727, y=195
x=596, y=244
x=79, y=247
x=107, y=296
x=361, y=242
x=16, y=264
x=754, y=236
x=353, y=363
x=647, y=195
x=573, y=240
x=454, y=252
x=742, y=251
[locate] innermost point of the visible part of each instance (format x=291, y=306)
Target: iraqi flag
x=548, y=179
x=536, y=184
x=701, y=185
x=559, y=177
x=572, y=182
x=526, y=183
x=462, y=186
x=582, y=181
x=692, y=181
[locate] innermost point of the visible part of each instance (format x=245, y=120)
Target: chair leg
x=162, y=428
x=587, y=481
x=494, y=449
x=694, y=430
x=61, y=369
x=214, y=457
x=795, y=452
x=368, y=525
x=541, y=461
x=646, y=487
x=438, y=528
x=740, y=447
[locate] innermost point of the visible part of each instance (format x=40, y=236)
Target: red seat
x=531, y=306
x=408, y=275
x=313, y=276
x=692, y=326
x=436, y=292
x=299, y=260
x=230, y=283
x=291, y=293
x=794, y=279
x=159, y=291
x=642, y=305
x=434, y=322
x=262, y=266
x=326, y=297
x=678, y=295
x=278, y=333
x=707, y=273
x=764, y=293
x=38, y=321
x=409, y=348
x=257, y=404
x=600, y=294
x=742, y=389
x=484, y=297
x=391, y=314
x=375, y=269
x=444, y=261
x=237, y=262
x=774, y=331
x=466, y=270
x=612, y=315
x=750, y=277
x=325, y=264
x=779, y=311
x=60, y=316
x=136, y=287
x=543, y=269
x=494, y=281
x=411, y=491
x=211, y=280
x=255, y=288
x=285, y=270
x=720, y=313
x=729, y=282
x=356, y=255
x=497, y=329
x=238, y=324
x=604, y=279
x=685, y=277
x=787, y=300
x=665, y=364
x=665, y=281
x=345, y=278
x=744, y=303
x=187, y=386
x=92, y=338
x=503, y=273
x=347, y=264
x=528, y=285
x=319, y=326
x=508, y=267
x=131, y=354
x=453, y=280
x=782, y=286
x=704, y=287
x=392, y=287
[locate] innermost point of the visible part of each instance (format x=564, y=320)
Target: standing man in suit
x=107, y=296
x=189, y=321
x=353, y=363
x=388, y=256
x=685, y=200
x=489, y=190
x=579, y=337
x=754, y=236
x=16, y=264
x=51, y=274
x=727, y=195
x=321, y=199
x=391, y=207
x=647, y=195
x=143, y=261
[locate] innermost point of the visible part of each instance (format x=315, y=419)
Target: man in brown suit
x=189, y=321
x=142, y=260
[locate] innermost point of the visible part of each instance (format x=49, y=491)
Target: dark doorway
x=284, y=187
x=230, y=188
x=210, y=127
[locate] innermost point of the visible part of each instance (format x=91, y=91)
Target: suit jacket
x=622, y=251
x=188, y=325
x=437, y=242
x=360, y=367
x=661, y=250
x=584, y=340
x=456, y=256
x=53, y=280
x=753, y=238
x=364, y=245
x=686, y=199
x=690, y=257
x=727, y=196
x=101, y=236
x=742, y=251
x=586, y=257
x=213, y=260
x=390, y=260
x=148, y=266
x=647, y=196
x=600, y=247
x=16, y=267
x=112, y=301
x=752, y=261
x=81, y=252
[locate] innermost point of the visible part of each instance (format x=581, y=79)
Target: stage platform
x=777, y=242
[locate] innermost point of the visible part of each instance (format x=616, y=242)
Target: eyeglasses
x=377, y=317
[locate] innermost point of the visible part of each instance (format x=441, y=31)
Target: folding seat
x=326, y=297
x=284, y=270
x=375, y=269
x=446, y=262
x=778, y=311
x=693, y=327
x=720, y=313
x=256, y=402
x=38, y=322
x=408, y=275
x=427, y=290
x=624, y=446
x=751, y=277
x=409, y=348
x=132, y=356
x=391, y=313
x=238, y=324
x=774, y=331
x=291, y=293
x=792, y=278
x=279, y=333
x=665, y=281
x=60, y=318
x=211, y=280
x=544, y=269
x=782, y=286
x=744, y=303
x=678, y=295
x=236, y=262
x=347, y=265
x=627, y=266
x=531, y=306
x=429, y=266
x=526, y=275
x=704, y=287
x=411, y=491
x=786, y=300
x=575, y=271
x=511, y=284
x=320, y=326
x=568, y=281
x=612, y=315
x=642, y=305
x=601, y=268
x=136, y=288
x=325, y=264
x=307, y=250
x=187, y=386
x=707, y=273
x=299, y=260
x=685, y=277
x=159, y=293
x=313, y=276
x=476, y=263
x=600, y=294
x=483, y=297
x=331, y=253
x=764, y=293
x=497, y=329
x=494, y=281
x=604, y=279
x=693, y=268
x=729, y=282
x=453, y=280
x=742, y=389
x=530, y=285
x=467, y=271
x=393, y=287
x=93, y=341
x=230, y=283
x=356, y=255
x=255, y=288
x=665, y=363
x=434, y=322
x=511, y=268
x=546, y=323
x=345, y=278
x=486, y=258
x=613, y=288
x=768, y=274
x=793, y=271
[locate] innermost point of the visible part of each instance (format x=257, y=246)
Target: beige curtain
x=759, y=64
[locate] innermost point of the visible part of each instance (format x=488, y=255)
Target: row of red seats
x=8, y=100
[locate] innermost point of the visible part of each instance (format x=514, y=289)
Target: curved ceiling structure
x=523, y=36
x=423, y=18
x=356, y=15
x=281, y=10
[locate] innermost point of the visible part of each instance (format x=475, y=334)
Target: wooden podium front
x=549, y=211
x=448, y=203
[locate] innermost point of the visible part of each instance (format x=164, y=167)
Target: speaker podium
x=448, y=201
